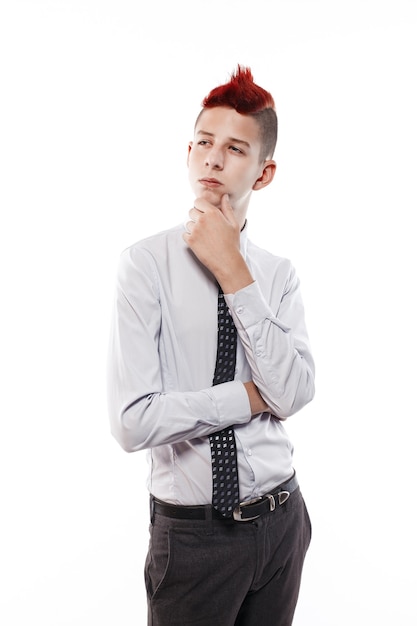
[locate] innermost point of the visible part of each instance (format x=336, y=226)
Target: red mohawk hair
x=247, y=98
x=240, y=93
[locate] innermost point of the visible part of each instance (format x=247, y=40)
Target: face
x=224, y=158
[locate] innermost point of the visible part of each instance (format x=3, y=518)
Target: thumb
x=226, y=208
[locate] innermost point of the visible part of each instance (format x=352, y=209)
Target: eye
x=203, y=142
x=235, y=149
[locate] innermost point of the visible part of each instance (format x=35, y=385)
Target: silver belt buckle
x=282, y=497
x=237, y=513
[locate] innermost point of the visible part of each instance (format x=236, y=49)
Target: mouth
x=211, y=183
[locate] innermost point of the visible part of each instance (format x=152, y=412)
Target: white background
x=98, y=101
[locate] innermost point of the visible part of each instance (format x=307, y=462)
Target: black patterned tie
x=222, y=443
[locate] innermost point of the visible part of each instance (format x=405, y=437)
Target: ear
x=190, y=145
x=267, y=175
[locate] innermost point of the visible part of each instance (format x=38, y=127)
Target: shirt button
x=239, y=310
x=249, y=452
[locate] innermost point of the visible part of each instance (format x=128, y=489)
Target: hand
x=257, y=403
x=213, y=234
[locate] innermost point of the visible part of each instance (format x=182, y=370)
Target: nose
x=214, y=159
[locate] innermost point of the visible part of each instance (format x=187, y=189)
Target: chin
x=214, y=197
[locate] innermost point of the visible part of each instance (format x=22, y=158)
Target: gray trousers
x=227, y=573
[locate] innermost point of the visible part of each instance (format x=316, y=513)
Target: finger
x=202, y=206
x=194, y=213
x=188, y=226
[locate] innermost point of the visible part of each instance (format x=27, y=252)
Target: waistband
x=244, y=512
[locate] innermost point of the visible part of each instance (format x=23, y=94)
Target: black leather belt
x=245, y=512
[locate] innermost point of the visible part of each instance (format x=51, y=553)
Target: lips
x=210, y=182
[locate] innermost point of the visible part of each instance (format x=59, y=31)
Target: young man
x=217, y=556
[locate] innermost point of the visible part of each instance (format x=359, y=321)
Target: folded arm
x=144, y=411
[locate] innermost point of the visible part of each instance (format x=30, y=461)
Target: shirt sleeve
x=276, y=345
x=142, y=413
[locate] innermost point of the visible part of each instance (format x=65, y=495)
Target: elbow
x=290, y=403
x=127, y=437
x=285, y=410
x=125, y=442
x=129, y=426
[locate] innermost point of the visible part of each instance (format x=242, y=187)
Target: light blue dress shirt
x=162, y=357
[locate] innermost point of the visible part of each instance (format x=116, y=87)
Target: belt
x=244, y=512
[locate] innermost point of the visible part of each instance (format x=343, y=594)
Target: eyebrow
x=231, y=139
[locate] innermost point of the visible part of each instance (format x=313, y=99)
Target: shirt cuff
x=249, y=307
x=232, y=402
